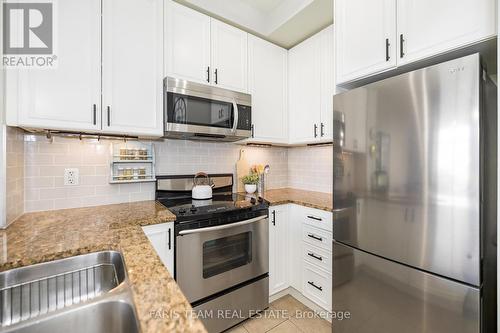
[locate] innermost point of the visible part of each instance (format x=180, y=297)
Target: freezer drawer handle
x=315, y=286
x=314, y=218
x=315, y=237
x=310, y=254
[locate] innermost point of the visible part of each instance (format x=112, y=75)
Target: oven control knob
x=261, y=199
x=252, y=200
x=193, y=209
x=182, y=211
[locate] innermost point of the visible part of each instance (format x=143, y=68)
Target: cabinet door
x=66, y=97
x=327, y=83
x=187, y=43
x=304, y=91
x=278, y=249
x=229, y=56
x=267, y=78
x=161, y=237
x=430, y=27
x=133, y=67
x=365, y=37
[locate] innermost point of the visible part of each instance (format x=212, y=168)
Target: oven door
x=212, y=259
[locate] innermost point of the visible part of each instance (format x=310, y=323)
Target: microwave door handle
x=236, y=115
x=222, y=227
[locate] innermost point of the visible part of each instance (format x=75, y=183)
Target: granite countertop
x=46, y=236
x=318, y=200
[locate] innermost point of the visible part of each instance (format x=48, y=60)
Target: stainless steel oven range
x=221, y=249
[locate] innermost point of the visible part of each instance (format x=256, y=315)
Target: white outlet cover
x=71, y=177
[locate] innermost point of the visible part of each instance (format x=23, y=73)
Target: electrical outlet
x=71, y=177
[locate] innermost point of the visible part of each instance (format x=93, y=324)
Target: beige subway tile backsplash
x=44, y=162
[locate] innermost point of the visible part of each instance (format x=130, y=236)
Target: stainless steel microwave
x=202, y=112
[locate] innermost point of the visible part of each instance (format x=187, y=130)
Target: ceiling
x=283, y=22
x=263, y=5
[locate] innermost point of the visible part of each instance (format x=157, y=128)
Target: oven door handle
x=222, y=227
x=236, y=116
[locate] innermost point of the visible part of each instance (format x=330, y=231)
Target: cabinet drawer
x=317, y=237
x=317, y=218
x=317, y=256
x=317, y=286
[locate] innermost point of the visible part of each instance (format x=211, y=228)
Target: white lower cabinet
x=161, y=237
x=300, y=252
x=278, y=249
x=317, y=286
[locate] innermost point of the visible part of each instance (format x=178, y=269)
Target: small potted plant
x=250, y=182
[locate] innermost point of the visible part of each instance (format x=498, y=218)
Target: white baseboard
x=299, y=297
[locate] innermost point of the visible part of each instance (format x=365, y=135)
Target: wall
x=14, y=174
x=310, y=168
x=45, y=163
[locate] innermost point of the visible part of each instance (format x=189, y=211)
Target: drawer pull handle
x=310, y=254
x=314, y=218
x=315, y=237
x=315, y=286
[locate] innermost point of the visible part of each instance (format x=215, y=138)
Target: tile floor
x=285, y=315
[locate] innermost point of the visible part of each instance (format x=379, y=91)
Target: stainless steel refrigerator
x=414, y=230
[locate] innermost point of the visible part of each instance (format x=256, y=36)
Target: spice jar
x=136, y=173
x=142, y=173
x=120, y=173
x=123, y=153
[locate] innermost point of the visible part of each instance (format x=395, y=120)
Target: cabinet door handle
x=314, y=218
x=315, y=286
x=315, y=237
x=315, y=130
x=315, y=256
x=170, y=238
x=253, y=131
x=274, y=217
x=387, y=44
x=208, y=74
x=322, y=130
x=401, y=46
x=94, y=114
x=216, y=76
x=109, y=115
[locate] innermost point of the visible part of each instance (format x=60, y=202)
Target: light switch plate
x=71, y=177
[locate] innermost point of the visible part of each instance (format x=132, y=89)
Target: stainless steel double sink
x=85, y=293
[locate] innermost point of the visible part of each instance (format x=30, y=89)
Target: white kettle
x=202, y=189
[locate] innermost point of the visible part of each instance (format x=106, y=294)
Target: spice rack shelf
x=132, y=162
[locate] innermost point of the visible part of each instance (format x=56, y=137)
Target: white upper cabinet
x=327, y=77
x=373, y=36
x=430, y=27
x=204, y=50
x=311, y=88
x=229, y=56
x=133, y=67
x=187, y=43
x=304, y=91
x=267, y=83
x=365, y=37
x=66, y=97
x=98, y=43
